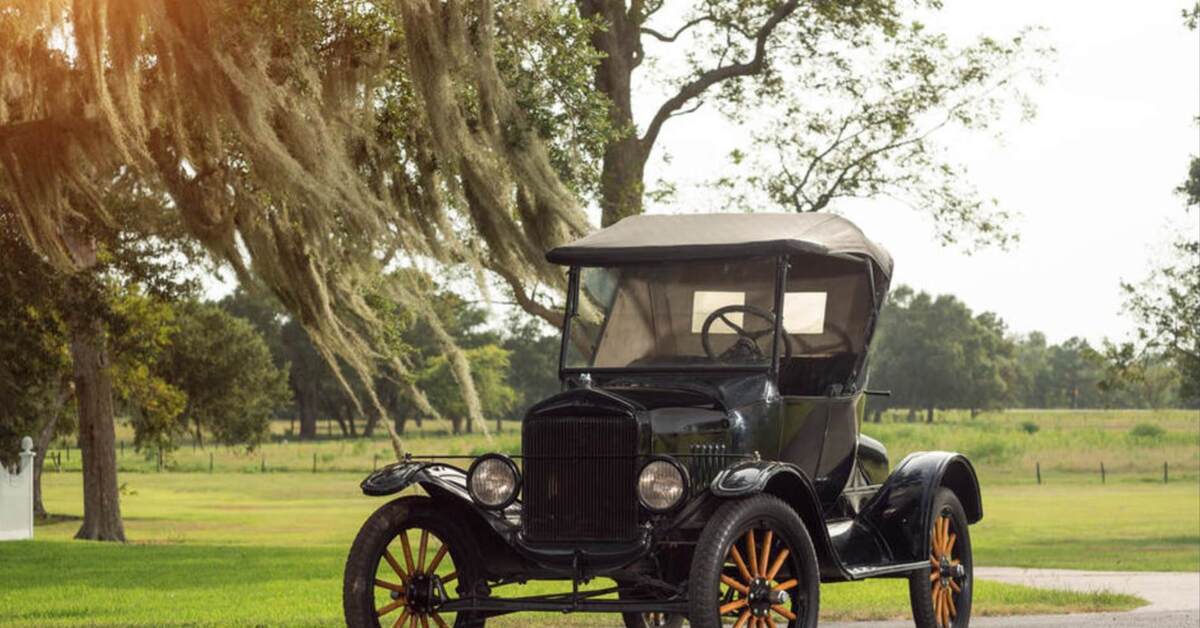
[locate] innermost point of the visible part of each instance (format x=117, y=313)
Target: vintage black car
x=704, y=460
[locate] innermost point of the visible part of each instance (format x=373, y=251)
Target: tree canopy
x=313, y=144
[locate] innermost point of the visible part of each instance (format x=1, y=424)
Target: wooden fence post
x=263, y=468
x=1039, y=473
x=1164, y=472
x=1102, y=478
x=314, y=462
x=210, y=463
x=375, y=462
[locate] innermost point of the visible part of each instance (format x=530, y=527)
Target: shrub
x=1029, y=427
x=1146, y=430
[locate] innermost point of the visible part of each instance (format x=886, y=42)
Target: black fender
x=791, y=484
x=900, y=512
x=444, y=483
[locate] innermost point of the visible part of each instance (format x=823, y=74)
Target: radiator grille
x=579, y=478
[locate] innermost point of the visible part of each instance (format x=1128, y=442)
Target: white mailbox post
x=16, y=496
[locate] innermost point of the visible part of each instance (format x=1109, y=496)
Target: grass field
x=243, y=547
x=1069, y=445
x=268, y=549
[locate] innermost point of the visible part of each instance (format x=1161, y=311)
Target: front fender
x=901, y=511
x=791, y=484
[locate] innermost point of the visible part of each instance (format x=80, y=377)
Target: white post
x=16, y=497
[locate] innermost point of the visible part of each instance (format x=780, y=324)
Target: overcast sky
x=1092, y=176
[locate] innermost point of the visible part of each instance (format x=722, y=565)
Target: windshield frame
x=771, y=367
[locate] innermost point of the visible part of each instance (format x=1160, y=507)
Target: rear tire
x=775, y=587
x=946, y=601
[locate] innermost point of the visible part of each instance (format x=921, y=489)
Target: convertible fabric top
x=681, y=237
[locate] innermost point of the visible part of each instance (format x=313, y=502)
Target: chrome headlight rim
x=684, y=478
x=516, y=473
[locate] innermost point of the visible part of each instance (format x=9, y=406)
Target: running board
x=880, y=571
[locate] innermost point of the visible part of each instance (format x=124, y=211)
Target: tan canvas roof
x=678, y=237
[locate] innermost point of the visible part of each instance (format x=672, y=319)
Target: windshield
x=705, y=313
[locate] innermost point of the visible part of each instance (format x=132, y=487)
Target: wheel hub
x=761, y=598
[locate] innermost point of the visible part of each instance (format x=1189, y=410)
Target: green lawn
x=267, y=549
x=243, y=547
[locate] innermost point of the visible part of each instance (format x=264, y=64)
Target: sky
x=1092, y=176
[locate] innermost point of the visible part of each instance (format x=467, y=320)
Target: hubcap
x=421, y=589
x=947, y=574
x=758, y=592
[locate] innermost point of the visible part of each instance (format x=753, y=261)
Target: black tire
x=648, y=620
x=738, y=520
x=921, y=586
x=367, y=562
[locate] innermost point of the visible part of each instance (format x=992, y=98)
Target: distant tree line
x=933, y=353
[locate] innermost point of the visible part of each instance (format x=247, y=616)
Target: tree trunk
x=40, y=447
x=929, y=414
x=97, y=436
x=308, y=414
x=623, y=170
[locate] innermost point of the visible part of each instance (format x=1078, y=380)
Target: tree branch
x=707, y=79
x=682, y=29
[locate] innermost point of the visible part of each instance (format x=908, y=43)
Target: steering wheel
x=745, y=349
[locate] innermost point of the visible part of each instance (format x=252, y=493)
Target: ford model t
x=703, y=461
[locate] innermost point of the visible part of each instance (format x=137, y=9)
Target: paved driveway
x=1174, y=599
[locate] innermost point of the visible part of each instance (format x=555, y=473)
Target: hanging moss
x=307, y=144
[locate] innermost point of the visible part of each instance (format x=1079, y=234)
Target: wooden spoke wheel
x=405, y=564
x=765, y=565
x=941, y=595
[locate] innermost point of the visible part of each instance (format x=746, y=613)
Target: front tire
x=408, y=555
x=941, y=595
x=754, y=565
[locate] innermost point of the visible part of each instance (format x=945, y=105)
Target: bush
x=1146, y=430
x=1029, y=427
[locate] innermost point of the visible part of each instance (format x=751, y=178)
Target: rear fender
x=901, y=510
x=790, y=484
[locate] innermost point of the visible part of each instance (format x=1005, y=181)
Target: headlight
x=493, y=481
x=662, y=485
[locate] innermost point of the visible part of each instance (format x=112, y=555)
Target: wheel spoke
x=741, y=564
x=955, y=587
x=764, y=558
x=752, y=551
x=424, y=622
x=733, y=606
x=450, y=577
x=438, y=620
x=937, y=603
x=743, y=620
x=741, y=588
x=421, y=553
x=787, y=585
x=937, y=564
x=437, y=558
x=950, y=601
x=778, y=608
x=403, y=619
x=950, y=545
x=935, y=576
x=408, y=561
x=783, y=555
x=767, y=621
x=391, y=560
x=398, y=588
x=380, y=612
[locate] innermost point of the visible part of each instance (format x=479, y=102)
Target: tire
x=648, y=620
x=363, y=598
x=922, y=589
x=736, y=522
